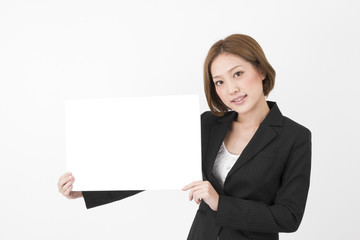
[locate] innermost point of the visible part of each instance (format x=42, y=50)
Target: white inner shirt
x=223, y=163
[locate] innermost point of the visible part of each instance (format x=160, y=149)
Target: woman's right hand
x=65, y=186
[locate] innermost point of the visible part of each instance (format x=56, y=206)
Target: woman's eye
x=217, y=83
x=237, y=74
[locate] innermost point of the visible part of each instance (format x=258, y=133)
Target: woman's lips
x=240, y=100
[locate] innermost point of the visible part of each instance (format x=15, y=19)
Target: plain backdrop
x=51, y=51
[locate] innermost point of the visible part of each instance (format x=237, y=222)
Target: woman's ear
x=263, y=76
x=262, y=73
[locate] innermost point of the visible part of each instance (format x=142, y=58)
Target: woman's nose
x=233, y=88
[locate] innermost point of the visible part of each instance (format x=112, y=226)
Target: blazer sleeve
x=287, y=211
x=97, y=198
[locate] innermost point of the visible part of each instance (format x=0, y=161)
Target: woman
x=255, y=161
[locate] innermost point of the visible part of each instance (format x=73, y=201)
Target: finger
x=198, y=187
x=67, y=192
x=187, y=187
x=199, y=195
x=191, y=194
x=64, y=175
x=66, y=186
x=193, y=185
x=198, y=198
x=64, y=179
x=201, y=187
x=69, y=180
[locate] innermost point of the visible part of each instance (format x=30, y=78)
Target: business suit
x=265, y=191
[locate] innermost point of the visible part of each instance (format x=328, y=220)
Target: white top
x=223, y=163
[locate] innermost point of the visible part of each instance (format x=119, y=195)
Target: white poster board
x=133, y=143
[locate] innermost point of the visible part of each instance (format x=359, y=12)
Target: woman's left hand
x=203, y=190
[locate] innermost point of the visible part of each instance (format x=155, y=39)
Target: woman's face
x=234, y=77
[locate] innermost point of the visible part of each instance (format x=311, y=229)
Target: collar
x=274, y=117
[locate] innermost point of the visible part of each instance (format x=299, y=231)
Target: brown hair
x=243, y=46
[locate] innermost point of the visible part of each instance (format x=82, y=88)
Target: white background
x=56, y=50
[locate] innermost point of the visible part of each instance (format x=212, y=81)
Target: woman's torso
x=238, y=136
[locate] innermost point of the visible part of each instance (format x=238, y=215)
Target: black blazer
x=264, y=193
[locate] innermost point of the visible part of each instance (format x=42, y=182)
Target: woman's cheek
x=221, y=94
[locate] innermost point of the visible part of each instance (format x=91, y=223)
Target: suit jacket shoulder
x=295, y=127
x=209, y=117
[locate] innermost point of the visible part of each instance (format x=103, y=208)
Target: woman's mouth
x=240, y=100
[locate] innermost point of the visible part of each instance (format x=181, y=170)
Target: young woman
x=255, y=161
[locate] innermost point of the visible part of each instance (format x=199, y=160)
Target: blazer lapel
x=217, y=135
x=262, y=137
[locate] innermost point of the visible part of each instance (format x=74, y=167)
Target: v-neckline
x=227, y=151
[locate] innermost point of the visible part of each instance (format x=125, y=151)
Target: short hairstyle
x=243, y=46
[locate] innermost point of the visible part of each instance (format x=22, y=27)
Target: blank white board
x=133, y=143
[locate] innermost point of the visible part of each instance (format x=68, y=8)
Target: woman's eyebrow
x=228, y=71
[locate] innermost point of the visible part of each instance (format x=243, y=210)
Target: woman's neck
x=255, y=116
